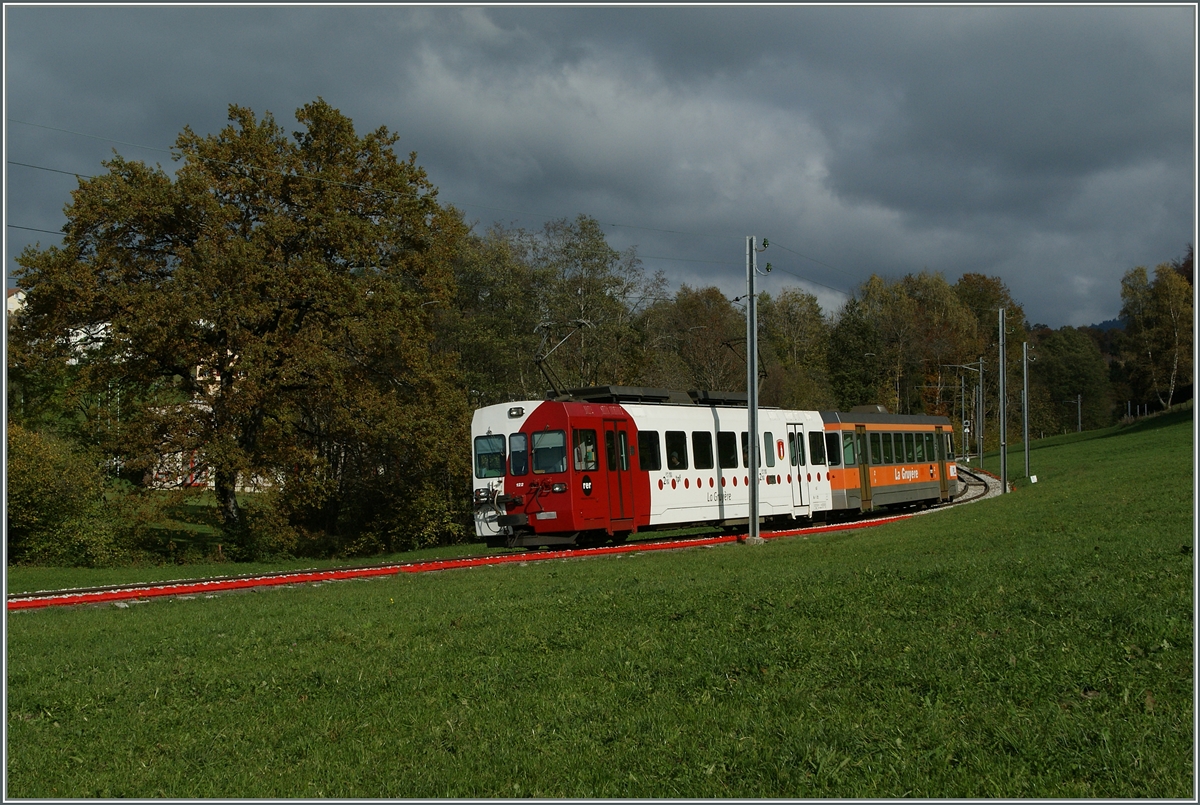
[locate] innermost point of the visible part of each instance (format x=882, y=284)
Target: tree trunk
x=225, y=481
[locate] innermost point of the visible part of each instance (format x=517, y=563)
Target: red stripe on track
x=65, y=598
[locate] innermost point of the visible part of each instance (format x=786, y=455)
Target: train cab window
x=848, y=448
x=489, y=456
x=549, y=451
x=769, y=448
x=876, y=449
x=833, y=449
x=649, y=457
x=887, y=448
x=920, y=438
x=727, y=450
x=583, y=443
x=677, y=457
x=909, y=455
x=702, y=449
x=950, y=444
x=518, y=454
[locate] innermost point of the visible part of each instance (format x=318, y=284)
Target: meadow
x=1035, y=645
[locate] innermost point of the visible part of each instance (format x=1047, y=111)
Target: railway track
x=978, y=485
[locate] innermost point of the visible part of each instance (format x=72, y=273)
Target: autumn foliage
x=297, y=322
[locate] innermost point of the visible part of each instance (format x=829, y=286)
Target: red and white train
x=599, y=464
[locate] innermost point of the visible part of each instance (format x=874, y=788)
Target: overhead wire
x=368, y=188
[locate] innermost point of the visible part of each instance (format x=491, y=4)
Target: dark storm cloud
x=1050, y=146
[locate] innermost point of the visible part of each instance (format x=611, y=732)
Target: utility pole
x=1025, y=402
x=1003, y=415
x=962, y=410
x=982, y=412
x=1079, y=413
x=753, y=537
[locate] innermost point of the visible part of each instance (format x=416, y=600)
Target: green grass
x=1035, y=645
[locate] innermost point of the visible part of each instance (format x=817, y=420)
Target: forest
x=300, y=328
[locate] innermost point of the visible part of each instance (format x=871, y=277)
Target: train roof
x=875, y=417
x=651, y=396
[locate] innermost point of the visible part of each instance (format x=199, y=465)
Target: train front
x=492, y=430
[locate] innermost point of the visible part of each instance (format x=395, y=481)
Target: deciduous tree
x=266, y=309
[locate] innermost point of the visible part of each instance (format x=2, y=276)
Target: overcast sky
x=1053, y=147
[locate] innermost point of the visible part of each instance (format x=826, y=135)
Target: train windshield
x=549, y=451
x=489, y=456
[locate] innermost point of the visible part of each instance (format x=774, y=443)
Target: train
x=595, y=465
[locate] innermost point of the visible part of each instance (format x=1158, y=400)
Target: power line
x=368, y=188
x=90, y=136
x=32, y=229
x=813, y=259
x=52, y=170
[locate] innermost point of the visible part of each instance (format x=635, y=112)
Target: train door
x=939, y=442
x=796, y=459
x=864, y=467
x=620, y=480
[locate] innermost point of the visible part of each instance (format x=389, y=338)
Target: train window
x=909, y=455
x=950, y=444
x=549, y=451
x=623, y=450
x=489, y=456
x=610, y=450
x=518, y=454
x=727, y=450
x=833, y=449
x=816, y=447
x=876, y=450
x=792, y=448
x=702, y=449
x=928, y=447
x=746, y=451
x=920, y=437
x=583, y=442
x=887, y=447
x=648, y=455
x=769, y=448
x=848, y=448
x=677, y=458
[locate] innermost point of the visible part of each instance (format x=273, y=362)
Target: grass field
x=1035, y=645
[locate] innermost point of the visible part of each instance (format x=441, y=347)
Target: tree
x=1069, y=366
x=1183, y=266
x=584, y=285
x=984, y=296
x=695, y=341
x=854, y=363
x=794, y=343
x=266, y=310
x=1158, y=327
x=496, y=311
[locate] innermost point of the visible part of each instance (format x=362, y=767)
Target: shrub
x=55, y=506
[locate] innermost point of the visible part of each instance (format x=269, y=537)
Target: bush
x=55, y=507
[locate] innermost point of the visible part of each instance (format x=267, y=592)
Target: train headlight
x=559, y=488
x=515, y=412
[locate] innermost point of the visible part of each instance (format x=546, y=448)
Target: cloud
x=1052, y=146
